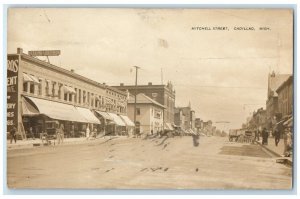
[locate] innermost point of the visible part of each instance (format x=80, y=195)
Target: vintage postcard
x=115, y=98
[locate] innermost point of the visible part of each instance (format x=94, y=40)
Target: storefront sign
x=44, y=53
x=12, y=91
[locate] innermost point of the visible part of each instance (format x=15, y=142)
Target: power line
x=216, y=86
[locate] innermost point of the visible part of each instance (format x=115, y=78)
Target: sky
x=223, y=73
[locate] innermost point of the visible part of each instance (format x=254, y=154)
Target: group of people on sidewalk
x=277, y=132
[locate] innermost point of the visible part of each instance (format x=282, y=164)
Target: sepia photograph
x=150, y=98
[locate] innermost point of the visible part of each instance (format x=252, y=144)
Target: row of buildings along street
x=279, y=106
x=42, y=97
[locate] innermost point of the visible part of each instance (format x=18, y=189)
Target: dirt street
x=154, y=163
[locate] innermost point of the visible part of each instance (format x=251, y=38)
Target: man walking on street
x=13, y=135
x=277, y=133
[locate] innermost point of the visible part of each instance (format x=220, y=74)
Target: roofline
x=67, y=72
x=147, y=86
x=148, y=103
x=284, y=83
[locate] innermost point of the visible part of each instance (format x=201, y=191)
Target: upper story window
x=138, y=111
x=154, y=95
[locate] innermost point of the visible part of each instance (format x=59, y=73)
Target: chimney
x=150, y=83
x=72, y=70
x=104, y=83
x=273, y=74
x=19, y=50
x=121, y=84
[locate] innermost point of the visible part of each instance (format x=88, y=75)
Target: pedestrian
x=13, y=134
x=31, y=133
x=277, y=133
x=62, y=133
x=256, y=135
x=195, y=137
x=287, y=140
x=265, y=135
x=87, y=132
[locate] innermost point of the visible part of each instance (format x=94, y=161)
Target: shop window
x=75, y=96
x=79, y=99
x=40, y=87
x=25, y=86
x=70, y=97
x=53, y=88
x=138, y=111
x=66, y=96
x=31, y=88
x=47, y=87
x=84, y=97
x=59, y=91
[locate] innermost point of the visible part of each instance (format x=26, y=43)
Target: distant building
x=179, y=118
x=185, y=117
x=149, y=114
x=163, y=94
x=274, y=81
x=198, y=123
x=258, y=120
x=207, y=127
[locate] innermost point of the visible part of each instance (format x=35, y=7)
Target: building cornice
x=67, y=72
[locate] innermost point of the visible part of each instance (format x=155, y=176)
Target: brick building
x=274, y=81
x=38, y=91
x=163, y=94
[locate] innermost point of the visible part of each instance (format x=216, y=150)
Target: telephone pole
x=135, y=93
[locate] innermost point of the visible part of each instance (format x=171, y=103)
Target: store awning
x=168, y=126
x=27, y=78
x=288, y=122
x=28, y=109
x=56, y=110
x=117, y=119
x=127, y=120
x=35, y=80
x=105, y=115
x=88, y=115
x=68, y=89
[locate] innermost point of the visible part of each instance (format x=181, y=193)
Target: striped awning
x=68, y=89
x=57, y=110
x=88, y=115
x=105, y=115
x=127, y=120
x=117, y=119
x=29, y=78
x=28, y=109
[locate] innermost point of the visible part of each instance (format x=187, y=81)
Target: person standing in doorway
x=13, y=134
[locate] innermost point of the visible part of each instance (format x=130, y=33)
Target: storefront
x=129, y=125
x=119, y=125
x=36, y=112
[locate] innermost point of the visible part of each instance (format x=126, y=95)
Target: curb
x=284, y=160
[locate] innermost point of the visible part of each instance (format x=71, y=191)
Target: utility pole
x=135, y=93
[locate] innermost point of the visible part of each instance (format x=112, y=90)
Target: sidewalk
x=276, y=151
x=21, y=144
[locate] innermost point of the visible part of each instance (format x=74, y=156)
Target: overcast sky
x=217, y=71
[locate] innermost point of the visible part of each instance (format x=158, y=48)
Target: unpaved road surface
x=153, y=163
